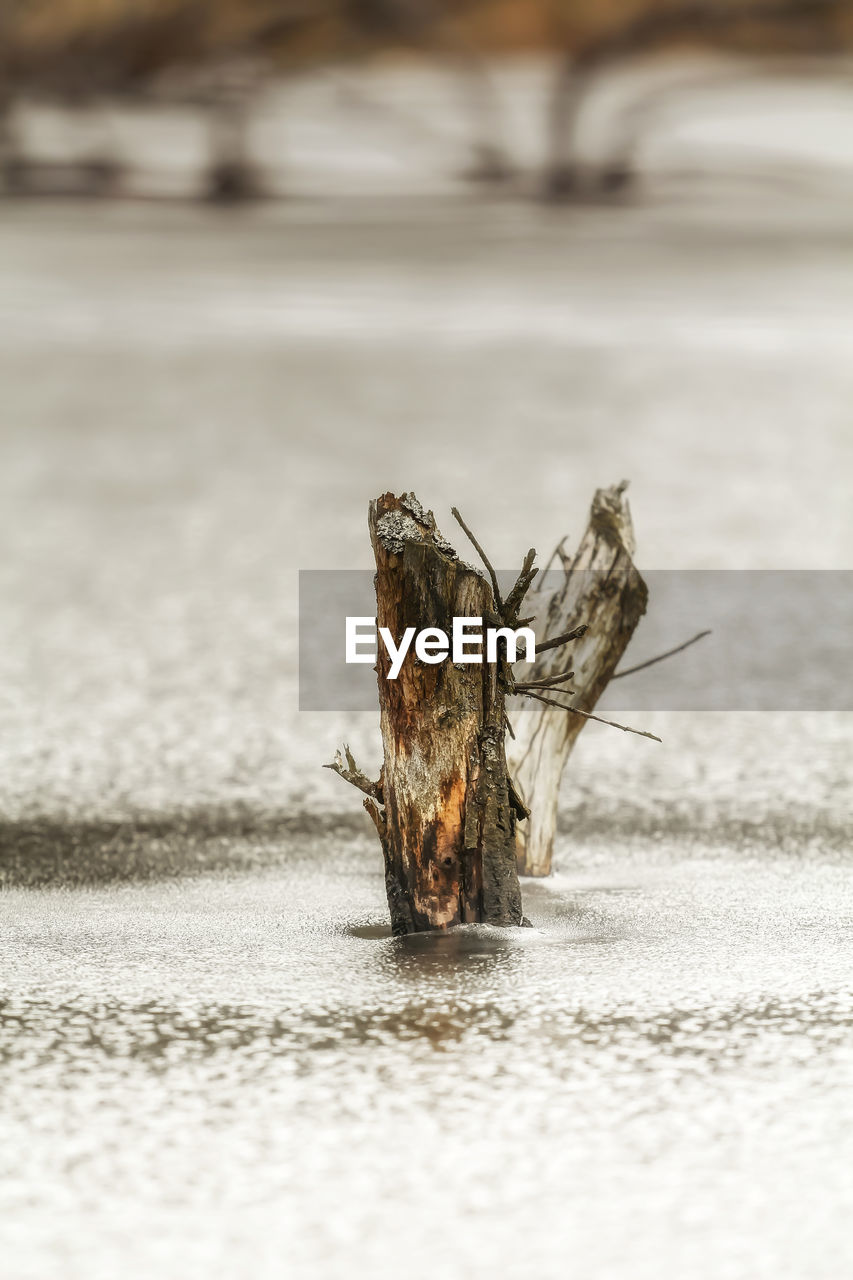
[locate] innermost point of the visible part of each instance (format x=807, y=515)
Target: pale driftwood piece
x=602, y=597
x=444, y=807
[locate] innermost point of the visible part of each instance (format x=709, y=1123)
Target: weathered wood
x=447, y=805
x=443, y=807
x=602, y=596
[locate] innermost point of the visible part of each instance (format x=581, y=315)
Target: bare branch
x=347, y=769
x=522, y=584
x=564, y=639
x=641, y=666
x=587, y=715
x=485, y=559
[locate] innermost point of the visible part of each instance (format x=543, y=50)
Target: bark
x=602, y=588
x=444, y=807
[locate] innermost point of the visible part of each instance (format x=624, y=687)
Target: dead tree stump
x=444, y=807
x=602, y=588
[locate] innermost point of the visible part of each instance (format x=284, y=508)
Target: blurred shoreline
x=393, y=130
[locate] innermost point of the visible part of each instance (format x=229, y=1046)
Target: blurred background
x=262, y=97
x=261, y=260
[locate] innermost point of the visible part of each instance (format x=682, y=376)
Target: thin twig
x=558, y=554
x=485, y=559
x=564, y=639
x=526, y=688
x=547, y=682
x=641, y=666
x=587, y=715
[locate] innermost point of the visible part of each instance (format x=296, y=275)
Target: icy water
x=245, y=1076
x=214, y=1061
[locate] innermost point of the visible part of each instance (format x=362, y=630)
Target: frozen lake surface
x=234, y=1076
x=214, y=1061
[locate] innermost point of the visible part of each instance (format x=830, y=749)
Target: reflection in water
x=81, y=1038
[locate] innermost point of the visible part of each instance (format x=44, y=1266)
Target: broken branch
x=350, y=772
x=556, y=641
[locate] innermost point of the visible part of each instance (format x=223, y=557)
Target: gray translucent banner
x=781, y=641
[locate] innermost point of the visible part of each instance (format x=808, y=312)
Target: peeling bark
x=603, y=589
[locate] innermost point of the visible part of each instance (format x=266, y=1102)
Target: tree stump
x=444, y=807
x=602, y=588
